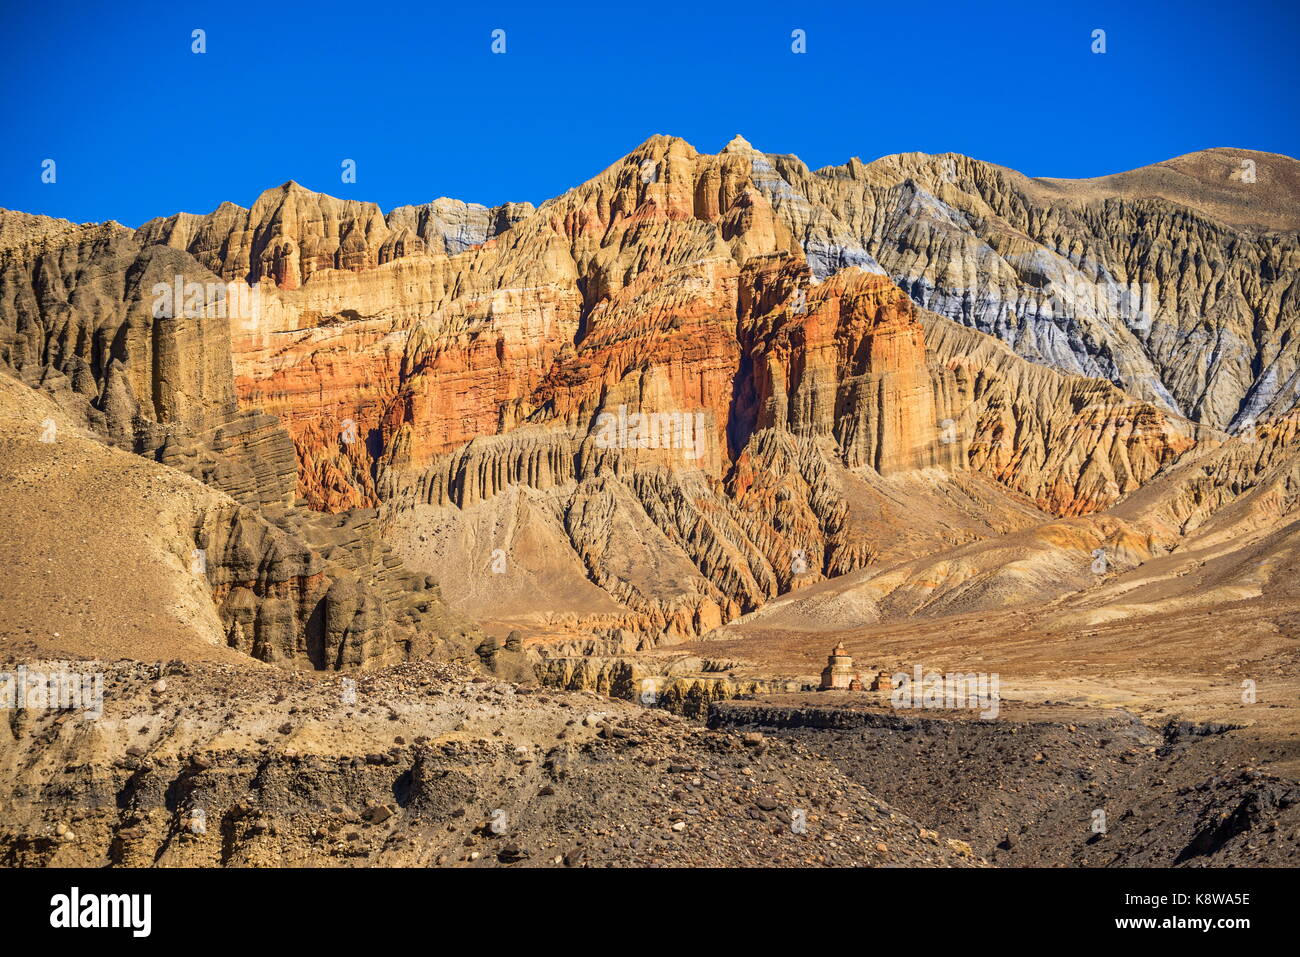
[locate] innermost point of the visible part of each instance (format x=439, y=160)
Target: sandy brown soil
x=96, y=546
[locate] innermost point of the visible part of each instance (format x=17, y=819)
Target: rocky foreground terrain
x=1054, y=784
x=421, y=765
x=437, y=765
x=684, y=427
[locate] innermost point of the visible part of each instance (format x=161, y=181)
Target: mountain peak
x=738, y=144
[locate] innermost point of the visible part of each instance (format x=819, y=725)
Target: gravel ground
x=1054, y=785
x=421, y=765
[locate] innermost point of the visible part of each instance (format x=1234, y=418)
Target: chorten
x=838, y=673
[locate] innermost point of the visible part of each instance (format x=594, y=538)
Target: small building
x=838, y=675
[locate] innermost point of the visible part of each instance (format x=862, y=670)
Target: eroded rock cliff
x=690, y=385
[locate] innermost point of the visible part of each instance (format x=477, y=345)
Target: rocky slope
x=109, y=554
x=1027, y=791
x=1175, y=282
x=682, y=427
x=420, y=765
x=474, y=376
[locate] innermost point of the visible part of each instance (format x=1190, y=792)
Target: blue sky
x=139, y=126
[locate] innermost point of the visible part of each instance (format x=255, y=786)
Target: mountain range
x=879, y=395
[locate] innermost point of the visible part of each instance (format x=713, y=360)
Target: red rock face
x=629, y=301
x=330, y=389
x=668, y=284
x=640, y=299
x=716, y=384
x=844, y=359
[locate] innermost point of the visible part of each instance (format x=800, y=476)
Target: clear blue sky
x=140, y=126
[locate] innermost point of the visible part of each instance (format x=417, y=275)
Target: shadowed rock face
x=80, y=325
x=112, y=555
x=684, y=387
x=79, y=322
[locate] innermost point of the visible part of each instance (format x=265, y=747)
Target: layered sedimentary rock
x=452, y=226
x=288, y=234
x=291, y=232
x=113, y=555
x=845, y=358
x=83, y=320
x=305, y=595
x=1073, y=445
x=85, y=325
x=695, y=382
x=1174, y=282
